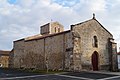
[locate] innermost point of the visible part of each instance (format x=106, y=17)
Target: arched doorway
x=94, y=60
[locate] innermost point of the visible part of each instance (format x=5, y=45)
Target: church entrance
x=95, y=61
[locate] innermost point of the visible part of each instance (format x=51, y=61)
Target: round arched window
x=95, y=43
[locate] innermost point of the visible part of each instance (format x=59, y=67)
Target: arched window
x=95, y=43
x=58, y=29
x=55, y=29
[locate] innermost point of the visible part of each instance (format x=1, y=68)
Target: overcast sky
x=22, y=18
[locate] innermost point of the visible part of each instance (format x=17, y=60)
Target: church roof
x=42, y=36
x=48, y=35
x=5, y=53
x=33, y=37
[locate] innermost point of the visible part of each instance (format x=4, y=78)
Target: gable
x=91, y=24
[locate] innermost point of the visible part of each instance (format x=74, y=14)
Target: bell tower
x=51, y=28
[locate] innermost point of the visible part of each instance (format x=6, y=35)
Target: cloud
x=22, y=18
x=66, y=3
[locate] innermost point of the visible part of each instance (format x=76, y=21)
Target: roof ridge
x=81, y=22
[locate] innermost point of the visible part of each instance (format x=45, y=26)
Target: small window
x=95, y=43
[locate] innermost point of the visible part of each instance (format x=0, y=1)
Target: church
x=86, y=46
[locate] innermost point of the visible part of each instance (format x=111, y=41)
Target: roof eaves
x=19, y=40
x=50, y=35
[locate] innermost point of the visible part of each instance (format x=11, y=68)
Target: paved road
x=8, y=74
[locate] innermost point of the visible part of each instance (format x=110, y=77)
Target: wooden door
x=95, y=61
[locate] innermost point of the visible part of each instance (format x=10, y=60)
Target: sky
x=23, y=18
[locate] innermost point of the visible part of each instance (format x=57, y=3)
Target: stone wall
x=11, y=60
x=34, y=54
x=18, y=52
x=48, y=51
x=54, y=51
x=69, y=64
x=4, y=61
x=114, y=59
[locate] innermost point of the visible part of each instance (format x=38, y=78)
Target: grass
x=35, y=70
x=42, y=71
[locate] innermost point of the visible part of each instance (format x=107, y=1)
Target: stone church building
x=86, y=46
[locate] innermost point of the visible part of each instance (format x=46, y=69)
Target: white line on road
x=74, y=77
x=109, y=78
x=22, y=77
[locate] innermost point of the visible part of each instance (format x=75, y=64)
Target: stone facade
x=87, y=46
x=84, y=37
x=50, y=48
x=4, y=59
